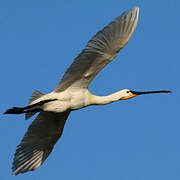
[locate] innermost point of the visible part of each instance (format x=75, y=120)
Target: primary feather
x=38, y=141
x=100, y=50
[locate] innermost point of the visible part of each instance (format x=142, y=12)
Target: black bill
x=150, y=92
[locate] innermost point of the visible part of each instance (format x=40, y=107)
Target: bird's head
x=127, y=94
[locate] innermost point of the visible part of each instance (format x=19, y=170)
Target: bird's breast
x=68, y=100
x=79, y=99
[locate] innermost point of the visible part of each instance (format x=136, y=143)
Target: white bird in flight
x=72, y=93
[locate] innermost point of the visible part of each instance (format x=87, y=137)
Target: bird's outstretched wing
x=100, y=50
x=38, y=141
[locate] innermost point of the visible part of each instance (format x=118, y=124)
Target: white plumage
x=72, y=93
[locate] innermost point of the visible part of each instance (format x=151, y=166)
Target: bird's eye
x=127, y=91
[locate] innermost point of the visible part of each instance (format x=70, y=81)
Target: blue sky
x=128, y=140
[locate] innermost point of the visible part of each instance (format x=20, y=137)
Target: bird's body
x=69, y=100
x=66, y=100
x=72, y=93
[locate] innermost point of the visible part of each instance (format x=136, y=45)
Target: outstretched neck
x=102, y=100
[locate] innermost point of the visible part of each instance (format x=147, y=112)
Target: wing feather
x=100, y=50
x=38, y=141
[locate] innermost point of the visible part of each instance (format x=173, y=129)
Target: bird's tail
x=29, y=110
x=36, y=94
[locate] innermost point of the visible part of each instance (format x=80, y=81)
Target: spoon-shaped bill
x=150, y=92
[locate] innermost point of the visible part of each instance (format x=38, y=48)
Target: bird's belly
x=75, y=106
x=70, y=100
x=62, y=106
x=56, y=106
x=77, y=103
